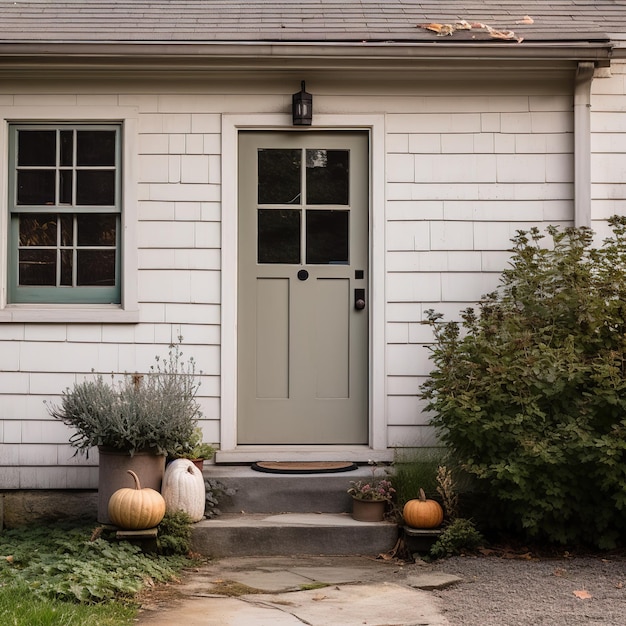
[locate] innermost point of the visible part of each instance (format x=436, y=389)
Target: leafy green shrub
x=174, y=533
x=531, y=393
x=458, y=536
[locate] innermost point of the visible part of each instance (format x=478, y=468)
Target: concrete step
x=286, y=514
x=291, y=533
x=259, y=492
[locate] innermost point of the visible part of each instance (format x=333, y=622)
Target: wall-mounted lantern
x=302, y=108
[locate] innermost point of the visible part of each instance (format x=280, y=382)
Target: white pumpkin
x=183, y=489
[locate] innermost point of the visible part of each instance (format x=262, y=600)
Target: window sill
x=67, y=314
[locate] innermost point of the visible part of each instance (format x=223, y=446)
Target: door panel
x=303, y=251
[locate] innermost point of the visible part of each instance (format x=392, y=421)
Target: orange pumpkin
x=422, y=513
x=136, y=509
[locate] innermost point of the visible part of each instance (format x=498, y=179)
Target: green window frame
x=65, y=206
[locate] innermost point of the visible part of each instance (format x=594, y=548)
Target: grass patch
x=18, y=607
x=66, y=574
x=415, y=469
x=232, y=588
x=313, y=586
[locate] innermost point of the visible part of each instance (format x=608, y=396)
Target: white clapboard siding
x=467, y=164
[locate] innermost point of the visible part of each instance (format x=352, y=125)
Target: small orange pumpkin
x=422, y=513
x=136, y=509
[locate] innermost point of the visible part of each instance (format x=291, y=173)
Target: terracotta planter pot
x=112, y=474
x=368, y=510
x=199, y=463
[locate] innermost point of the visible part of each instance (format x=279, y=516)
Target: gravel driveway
x=500, y=591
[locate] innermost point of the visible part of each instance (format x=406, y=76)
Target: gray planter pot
x=112, y=474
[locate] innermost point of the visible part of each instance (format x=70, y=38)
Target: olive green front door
x=302, y=319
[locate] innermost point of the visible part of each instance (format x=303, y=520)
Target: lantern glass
x=302, y=107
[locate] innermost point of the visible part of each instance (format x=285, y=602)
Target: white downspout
x=582, y=143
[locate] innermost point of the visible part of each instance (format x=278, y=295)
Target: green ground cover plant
x=68, y=574
x=529, y=392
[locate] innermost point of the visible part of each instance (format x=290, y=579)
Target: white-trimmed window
x=65, y=205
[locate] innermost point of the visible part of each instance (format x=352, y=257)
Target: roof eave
x=274, y=55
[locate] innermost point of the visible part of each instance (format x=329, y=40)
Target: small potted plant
x=194, y=449
x=370, y=497
x=134, y=421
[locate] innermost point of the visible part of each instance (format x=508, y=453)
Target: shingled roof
x=300, y=20
x=60, y=27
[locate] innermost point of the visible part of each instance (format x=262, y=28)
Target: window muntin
x=65, y=206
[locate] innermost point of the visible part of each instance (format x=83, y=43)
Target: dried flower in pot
x=137, y=417
x=370, y=497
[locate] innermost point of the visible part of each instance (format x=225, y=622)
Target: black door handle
x=359, y=299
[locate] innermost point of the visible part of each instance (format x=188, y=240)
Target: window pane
x=37, y=267
x=38, y=230
x=35, y=187
x=95, y=188
x=279, y=236
x=327, y=236
x=96, y=230
x=67, y=147
x=96, y=268
x=327, y=176
x=67, y=260
x=279, y=176
x=95, y=147
x=36, y=147
x=67, y=229
x=65, y=187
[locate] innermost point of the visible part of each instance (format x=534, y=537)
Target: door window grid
x=322, y=237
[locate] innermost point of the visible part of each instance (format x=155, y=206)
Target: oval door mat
x=303, y=467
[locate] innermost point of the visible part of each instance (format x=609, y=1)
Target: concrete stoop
x=282, y=515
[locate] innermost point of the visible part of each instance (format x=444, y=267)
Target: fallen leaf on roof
x=526, y=20
x=504, y=34
x=582, y=594
x=441, y=29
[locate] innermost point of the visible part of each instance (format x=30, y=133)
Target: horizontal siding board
x=465, y=172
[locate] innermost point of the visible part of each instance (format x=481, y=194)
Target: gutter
x=582, y=144
x=276, y=54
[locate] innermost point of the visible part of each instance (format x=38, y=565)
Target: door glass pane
x=279, y=176
x=327, y=237
x=278, y=236
x=327, y=174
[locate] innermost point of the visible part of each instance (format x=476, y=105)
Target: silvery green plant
x=156, y=411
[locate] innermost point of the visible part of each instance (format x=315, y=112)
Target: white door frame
x=377, y=448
